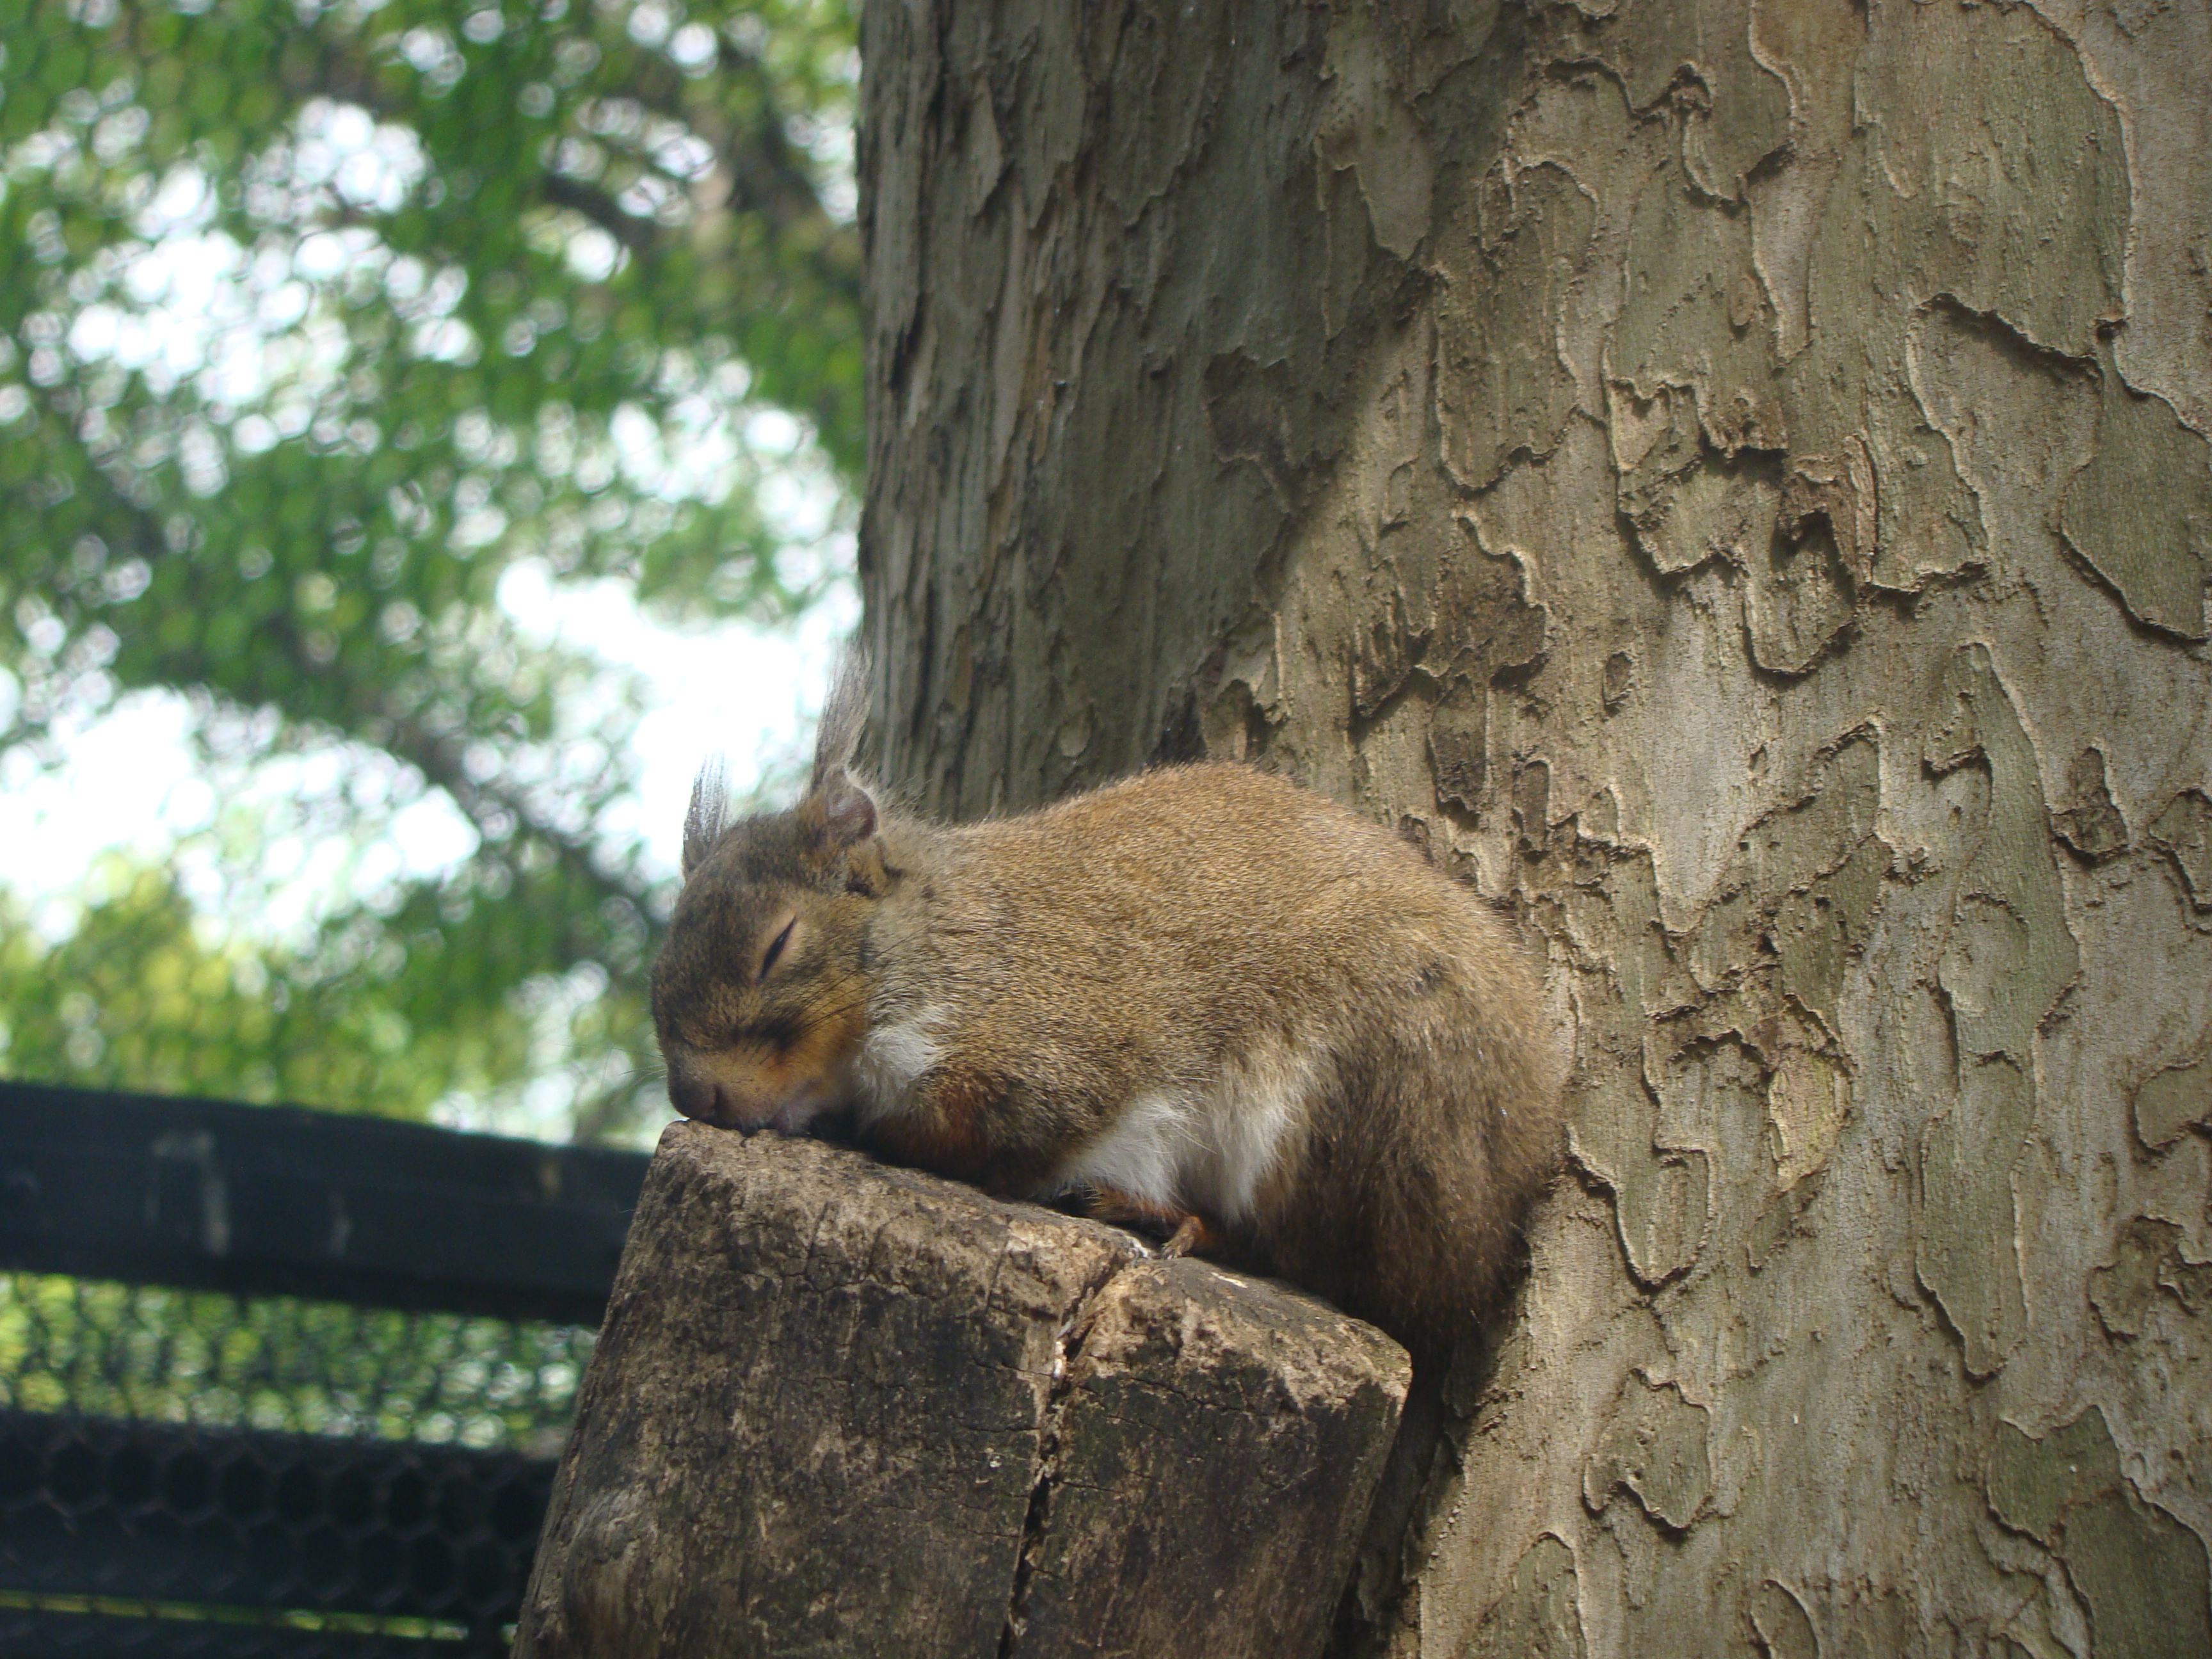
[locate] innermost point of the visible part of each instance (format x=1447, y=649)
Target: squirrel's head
x=760, y=996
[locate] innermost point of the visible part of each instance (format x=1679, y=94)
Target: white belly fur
x=890, y=1060
x=1206, y=1150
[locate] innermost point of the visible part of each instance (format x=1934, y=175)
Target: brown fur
x=944, y=1130
x=1130, y=945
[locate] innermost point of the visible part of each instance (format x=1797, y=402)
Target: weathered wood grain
x=841, y=1408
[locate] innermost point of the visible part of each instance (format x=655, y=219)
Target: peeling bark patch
x=1799, y=598
x=1685, y=322
x=2009, y=956
x=1662, y=1190
x=1502, y=388
x=1532, y=804
x=1991, y=174
x=1654, y=1448
x=2143, y=1576
x=2183, y=832
x=2169, y=1102
x=1689, y=505
x=1165, y=101
x=2090, y=823
x=2147, y=1269
x=1785, y=1217
x=1539, y=1616
x=1864, y=447
x=1249, y=415
x=2005, y=173
x=1734, y=111
x=1782, y=1626
x=1661, y=1204
x=1619, y=681
x=1682, y=512
x=1808, y=1100
x=1991, y=177
x=1806, y=885
x=2139, y=512
x=1820, y=930
x=1968, y=1254
x=1365, y=128
x=1459, y=755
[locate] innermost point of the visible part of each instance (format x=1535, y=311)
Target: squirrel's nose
x=696, y=1094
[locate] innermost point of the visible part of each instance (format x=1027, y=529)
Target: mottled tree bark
x=1733, y=478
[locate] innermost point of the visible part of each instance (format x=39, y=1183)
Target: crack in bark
x=1068, y=1350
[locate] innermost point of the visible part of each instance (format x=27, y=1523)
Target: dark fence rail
x=272, y=1200
x=186, y=1286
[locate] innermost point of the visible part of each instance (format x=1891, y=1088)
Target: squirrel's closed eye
x=775, y=947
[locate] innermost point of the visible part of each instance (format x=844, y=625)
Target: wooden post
x=840, y=1408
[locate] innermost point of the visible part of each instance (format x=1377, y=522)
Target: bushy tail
x=844, y=716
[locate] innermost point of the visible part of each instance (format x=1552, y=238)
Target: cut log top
x=842, y=1409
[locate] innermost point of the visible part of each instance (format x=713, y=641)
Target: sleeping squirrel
x=1203, y=997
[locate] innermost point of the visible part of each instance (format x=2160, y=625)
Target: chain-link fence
x=152, y=1354
x=198, y=1455
x=137, y=1537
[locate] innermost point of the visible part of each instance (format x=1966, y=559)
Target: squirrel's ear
x=709, y=815
x=848, y=811
x=841, y=816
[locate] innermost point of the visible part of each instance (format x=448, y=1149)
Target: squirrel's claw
x=1190, y=1234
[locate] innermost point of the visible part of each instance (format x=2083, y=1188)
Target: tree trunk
x=1732, y=478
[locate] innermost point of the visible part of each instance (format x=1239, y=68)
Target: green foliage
x=135, y=997
x=315, y=319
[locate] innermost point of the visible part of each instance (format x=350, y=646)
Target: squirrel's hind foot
x=1183, y=1232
